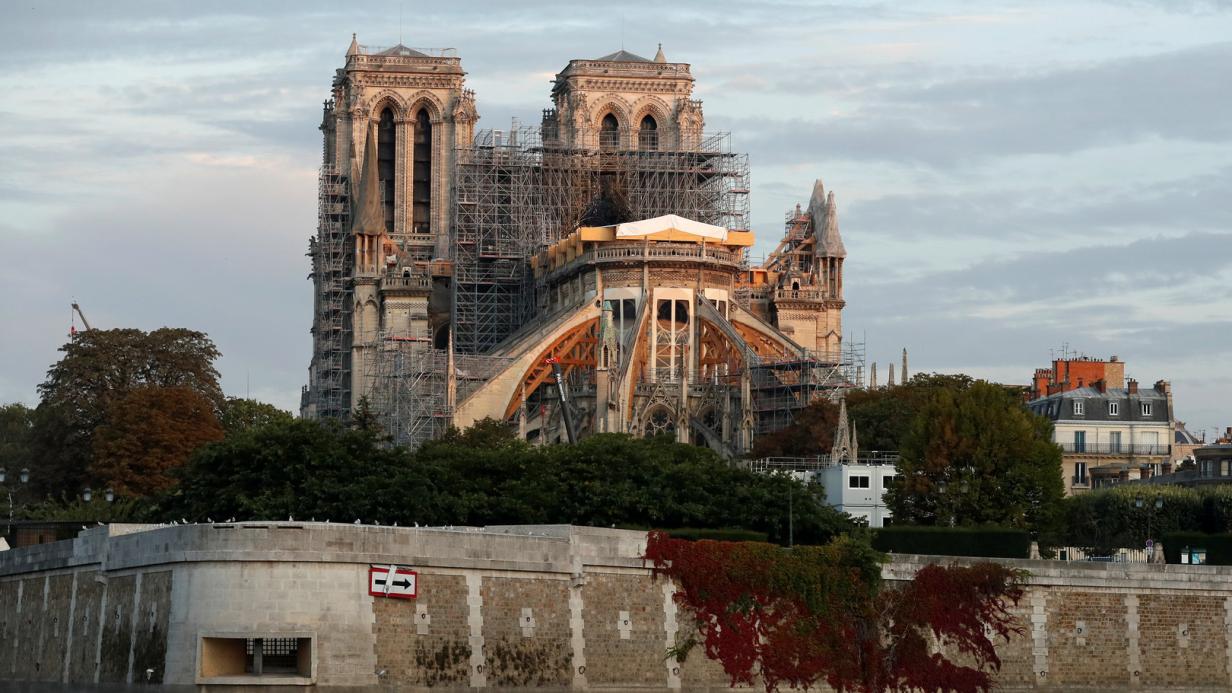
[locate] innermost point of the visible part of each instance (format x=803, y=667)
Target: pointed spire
x=855, y=443
x=817, y=205
x=831, y=241
x=842, y=436
x=659, y=57
x=872, y=377
x=890, y=377
x=354, y=49
x=369, y=216
x=903, y=374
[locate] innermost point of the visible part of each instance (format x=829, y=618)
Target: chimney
x=1133, y=386
x=1080, y=383
x=1101, y=386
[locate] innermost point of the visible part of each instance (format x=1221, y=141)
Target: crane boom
x=85, y=323
x=565, y=409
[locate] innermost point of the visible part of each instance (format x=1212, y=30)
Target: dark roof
x=622, y=56
x=1059, y=406
x=402, y=51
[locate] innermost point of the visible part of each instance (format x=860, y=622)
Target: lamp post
x=23, y=477
x=1157, y=505
x=87, y=495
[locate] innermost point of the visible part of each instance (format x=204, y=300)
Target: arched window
x=648, y=135
x=421, y=193
x=386, y=153
x=609, y=132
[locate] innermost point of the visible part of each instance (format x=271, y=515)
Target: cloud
x=963, y=120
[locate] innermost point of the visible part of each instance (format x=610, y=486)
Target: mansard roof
x=622, y=56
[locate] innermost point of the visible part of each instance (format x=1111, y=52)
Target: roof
x=622, y=56
x=403, y=52
x=669, y=222
x=1053, y=407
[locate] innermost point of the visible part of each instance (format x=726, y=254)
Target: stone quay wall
x=534, y=607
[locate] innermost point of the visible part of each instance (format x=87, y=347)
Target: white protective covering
x=667, y=222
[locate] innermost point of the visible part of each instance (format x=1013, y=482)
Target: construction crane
x=566, y=411
x=85, y=323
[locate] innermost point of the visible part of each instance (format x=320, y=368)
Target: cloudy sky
x=1012, y=178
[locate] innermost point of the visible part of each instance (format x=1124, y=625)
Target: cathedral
x=587, y=274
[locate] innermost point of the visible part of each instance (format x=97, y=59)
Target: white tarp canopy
x=667, y=222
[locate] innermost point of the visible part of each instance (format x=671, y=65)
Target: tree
x=16, y=424
x=99, y=368
x=148, y=433
x=484, y=475
x=882, y=417
x=240, y=414
x=977, y=456
x=821, y=614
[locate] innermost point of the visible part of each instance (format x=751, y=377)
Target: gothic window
x=421, y=219
x=648, y=135
x=660, y=422
x=609, y=132
x=386, y=154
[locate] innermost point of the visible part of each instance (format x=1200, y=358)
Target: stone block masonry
x=546, y=607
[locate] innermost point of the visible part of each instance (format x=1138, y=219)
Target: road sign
x=393, y=581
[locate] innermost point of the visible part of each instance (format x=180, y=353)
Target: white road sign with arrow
x=393, y=581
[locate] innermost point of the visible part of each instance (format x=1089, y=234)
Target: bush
x=1218, y=546
x=693, y=534
x=984, y=542
x=1103, y=521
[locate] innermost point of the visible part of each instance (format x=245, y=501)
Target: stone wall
x=542, y=607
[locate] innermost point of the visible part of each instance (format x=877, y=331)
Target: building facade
x=454, y=271
x=1110, y=435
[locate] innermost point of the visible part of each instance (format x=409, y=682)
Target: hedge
x=985, y=542
x=691, y=534
x=1218, y=546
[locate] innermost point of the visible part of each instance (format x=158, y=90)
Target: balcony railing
x=1126, y=449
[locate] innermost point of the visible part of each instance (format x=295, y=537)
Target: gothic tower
x=396, y=114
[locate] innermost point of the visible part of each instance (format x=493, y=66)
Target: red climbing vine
x=799, y=616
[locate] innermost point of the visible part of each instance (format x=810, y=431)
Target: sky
x=1013, y=179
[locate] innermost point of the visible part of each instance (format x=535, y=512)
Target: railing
x=415, y=281
x=768, y=464
x=800, y=294
x=1116, y=448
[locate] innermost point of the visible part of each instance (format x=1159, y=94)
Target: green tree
x=241, y=414
x=98, y=369
x=148, y=433
x=485, y=476
x=16, y=425
x=976, y=456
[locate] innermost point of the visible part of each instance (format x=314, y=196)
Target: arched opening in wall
x=648, y=135
x=386, y=156
x=421, y=193
x=609, y=132
x=659, y=421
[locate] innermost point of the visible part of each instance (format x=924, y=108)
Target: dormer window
x=1114, y=409
x=1146, y=408
x=1079, y=407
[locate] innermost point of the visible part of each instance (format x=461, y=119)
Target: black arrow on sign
x=397, y=583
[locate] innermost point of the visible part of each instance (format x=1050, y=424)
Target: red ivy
x=799, y=616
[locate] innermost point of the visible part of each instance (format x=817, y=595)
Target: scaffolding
x=329, y=392
x=783, y=387
x=409, y=385
x=517, y=191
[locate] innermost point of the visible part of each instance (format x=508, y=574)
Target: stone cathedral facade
x=455, y=271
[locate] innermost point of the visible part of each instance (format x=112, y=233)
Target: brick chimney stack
x=1133, y=386
x=1100, y=385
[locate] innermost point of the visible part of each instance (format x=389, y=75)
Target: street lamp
x=3, y=474
x=87, y=494
x=1157, y=505
x=109, y=495
x=24, y=476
